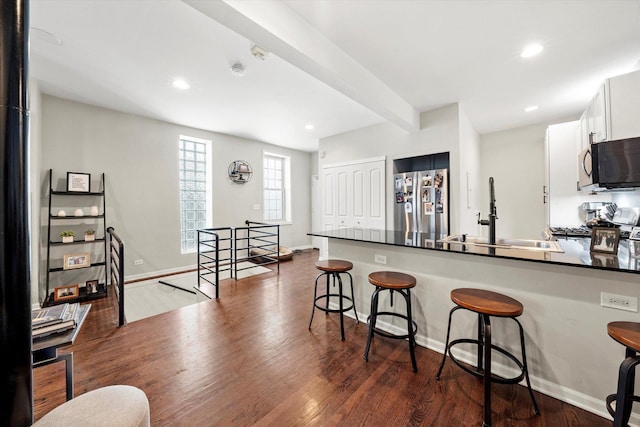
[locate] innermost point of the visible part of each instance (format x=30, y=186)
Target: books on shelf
x=59, y=318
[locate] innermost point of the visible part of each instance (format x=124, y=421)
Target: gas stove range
x=582, y=231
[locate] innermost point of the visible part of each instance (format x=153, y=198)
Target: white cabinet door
x=344, y=194
x=359, y=196
x=354, y=195
x=598, y=115
x=564, y=197
x=375, y=195
x=624, y=105
x=329, y=217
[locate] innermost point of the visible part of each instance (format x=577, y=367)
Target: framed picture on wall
x=605, y=240
x=78, y=182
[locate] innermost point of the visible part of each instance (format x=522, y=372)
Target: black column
x=16, y=398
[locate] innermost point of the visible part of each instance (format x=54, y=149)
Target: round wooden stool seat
x=487, y=302
x=334, y=265
x=626, y=333
x=392, y=280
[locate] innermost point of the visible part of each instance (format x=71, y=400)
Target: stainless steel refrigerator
x=422, y=202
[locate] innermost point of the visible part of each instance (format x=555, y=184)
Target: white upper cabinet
x=613, y=111
x=623, y=108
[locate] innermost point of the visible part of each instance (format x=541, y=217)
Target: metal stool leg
x=412, y=339
x=446, y=344
x=525, y=368
x=340, y=303
x=315, y=295
x=624, y=397
x=372, y=321
x=486, y=322
x=327, y=301
x=480, y=349
x=353, y=296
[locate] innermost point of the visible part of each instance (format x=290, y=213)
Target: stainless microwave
x=610, y=165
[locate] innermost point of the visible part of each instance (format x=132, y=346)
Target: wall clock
x=240, y=171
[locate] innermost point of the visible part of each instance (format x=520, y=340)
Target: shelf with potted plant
x=78, y=220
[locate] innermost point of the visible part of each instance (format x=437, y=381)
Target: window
x=276, y=201
x=195, y=190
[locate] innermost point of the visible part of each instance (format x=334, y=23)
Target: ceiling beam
x=277, y=28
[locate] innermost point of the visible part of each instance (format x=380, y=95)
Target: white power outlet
x=619, y=302
x=380, y=259
x=138, y=262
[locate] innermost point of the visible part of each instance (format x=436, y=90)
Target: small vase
x=78, y=212
x=62, y=213
x=94, y=211
x=89, y=237
x=67, y=239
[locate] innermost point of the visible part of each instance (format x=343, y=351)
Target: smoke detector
x=259, y=53
x=237, y=69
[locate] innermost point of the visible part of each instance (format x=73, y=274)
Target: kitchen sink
x=534, y=245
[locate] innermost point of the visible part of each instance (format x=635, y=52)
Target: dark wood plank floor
x=249, y=359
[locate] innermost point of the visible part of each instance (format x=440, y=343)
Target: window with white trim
x=276, y=201
x=195, y=190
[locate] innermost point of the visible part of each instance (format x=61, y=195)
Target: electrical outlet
x=619, y=302
x=380, y=259
x=138, y=262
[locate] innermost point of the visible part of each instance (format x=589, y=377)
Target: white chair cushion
x=111, y=406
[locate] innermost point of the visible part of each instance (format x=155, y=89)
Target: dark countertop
x=576, y=249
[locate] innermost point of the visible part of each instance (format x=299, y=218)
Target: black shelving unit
x=55, y=257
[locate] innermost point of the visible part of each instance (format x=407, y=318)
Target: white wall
x=139, y=157
x=515, y=159
x=439, y=133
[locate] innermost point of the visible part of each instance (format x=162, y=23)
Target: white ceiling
x=340, y=65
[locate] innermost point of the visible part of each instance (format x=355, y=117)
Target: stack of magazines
x=55, y=319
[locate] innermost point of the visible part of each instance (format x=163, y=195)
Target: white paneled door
x=353, y=196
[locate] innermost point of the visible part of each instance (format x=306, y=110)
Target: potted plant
x=67, y=236
x=90, y=235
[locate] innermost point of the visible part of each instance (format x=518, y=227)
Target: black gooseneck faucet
x=493, y=214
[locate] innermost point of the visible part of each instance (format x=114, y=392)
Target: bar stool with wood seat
x=332, y=269
x=394, y=282
x=627, y=334
x=487, y=304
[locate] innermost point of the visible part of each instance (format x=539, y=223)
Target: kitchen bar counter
x=569, y=353
x=576, y=249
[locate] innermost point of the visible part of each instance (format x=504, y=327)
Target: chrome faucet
x=493, y=214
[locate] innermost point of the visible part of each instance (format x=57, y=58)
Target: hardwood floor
x=249, y=359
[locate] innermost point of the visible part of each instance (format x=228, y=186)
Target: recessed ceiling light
x=531, y=108
x=309, y=126
x=531, y=50
x=181, y=84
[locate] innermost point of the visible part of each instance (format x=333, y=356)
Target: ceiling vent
x=259, y=53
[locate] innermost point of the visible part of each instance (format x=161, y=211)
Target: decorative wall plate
x=240, y=171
